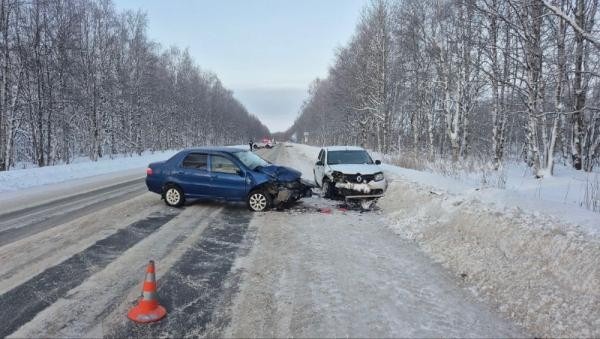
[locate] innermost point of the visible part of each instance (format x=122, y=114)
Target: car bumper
x=153, y=185
x=293, y=192
x=372, y=189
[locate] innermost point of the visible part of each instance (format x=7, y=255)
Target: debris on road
x=325, y=210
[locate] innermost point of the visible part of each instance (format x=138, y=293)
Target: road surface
x=72, y=266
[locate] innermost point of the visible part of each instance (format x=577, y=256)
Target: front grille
x=365, y=178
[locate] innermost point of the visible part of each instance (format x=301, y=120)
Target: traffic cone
x=148, y=309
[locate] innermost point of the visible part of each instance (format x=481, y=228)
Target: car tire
x=327, y=189
x=259, y=201
x=173, y=196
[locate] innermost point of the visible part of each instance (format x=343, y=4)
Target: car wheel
x=259, y=201
x=174, y=196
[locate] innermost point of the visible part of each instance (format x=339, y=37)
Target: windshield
x=251, y=160
x=348, y=157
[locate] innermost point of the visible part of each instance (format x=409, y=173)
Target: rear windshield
x=251, y=160
x=348, y=157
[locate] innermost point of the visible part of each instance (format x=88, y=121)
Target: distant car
x=223, y=173
x=265, y=143
x=349, y=172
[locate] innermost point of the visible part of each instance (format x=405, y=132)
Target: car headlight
x=378, y=176
x=337, y=176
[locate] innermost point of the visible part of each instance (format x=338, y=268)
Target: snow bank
x=31, y=177
x=548, y=196
x=538, y=270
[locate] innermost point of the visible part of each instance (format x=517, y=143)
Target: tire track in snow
x=33, y=296
x=19, y=224
x=196, y=287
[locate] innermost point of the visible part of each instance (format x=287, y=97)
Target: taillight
x=148, y=171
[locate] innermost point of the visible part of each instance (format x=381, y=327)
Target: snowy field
x=18, y=179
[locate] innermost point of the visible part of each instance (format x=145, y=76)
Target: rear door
x=228, y=181
x=193, y=175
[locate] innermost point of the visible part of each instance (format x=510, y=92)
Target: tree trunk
x=579, y=91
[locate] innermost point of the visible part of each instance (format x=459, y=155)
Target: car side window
x=196, y=161
x=321, y=155
x=222, y=165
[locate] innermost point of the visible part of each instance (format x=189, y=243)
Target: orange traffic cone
x=148, y=309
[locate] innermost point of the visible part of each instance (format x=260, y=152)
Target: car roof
x=343, y=148
x=213, y=149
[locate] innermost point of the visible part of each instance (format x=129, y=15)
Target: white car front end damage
x=357, y=181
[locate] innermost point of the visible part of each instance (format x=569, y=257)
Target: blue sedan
x=224, y=173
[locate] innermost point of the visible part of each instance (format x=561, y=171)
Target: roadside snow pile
x=538, y=270
x=14, y=180
x=553, y=196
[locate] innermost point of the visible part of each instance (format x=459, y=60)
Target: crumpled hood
x=281, y=172
x=356, y=168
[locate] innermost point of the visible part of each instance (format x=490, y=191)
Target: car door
x=193, y=175
x=319, y=168
x=228, y=181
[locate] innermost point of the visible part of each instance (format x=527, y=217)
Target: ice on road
x=345, y=274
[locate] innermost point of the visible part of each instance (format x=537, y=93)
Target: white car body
x=358, y=180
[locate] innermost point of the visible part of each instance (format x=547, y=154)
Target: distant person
x=251, y=144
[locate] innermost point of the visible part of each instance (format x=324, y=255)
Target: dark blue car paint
x=197, y=183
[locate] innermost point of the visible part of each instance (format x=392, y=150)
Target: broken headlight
x=337, y=176
x=378, y=176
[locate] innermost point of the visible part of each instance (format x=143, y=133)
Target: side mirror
x=377, y=162
x=240, y=172
x=319, y=163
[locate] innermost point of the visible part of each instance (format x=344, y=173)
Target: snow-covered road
x=224, y=271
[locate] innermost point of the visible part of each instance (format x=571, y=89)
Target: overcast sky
x=266, y=51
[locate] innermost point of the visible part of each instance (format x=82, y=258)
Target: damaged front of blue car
x=273, y=185
x=284, y=184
